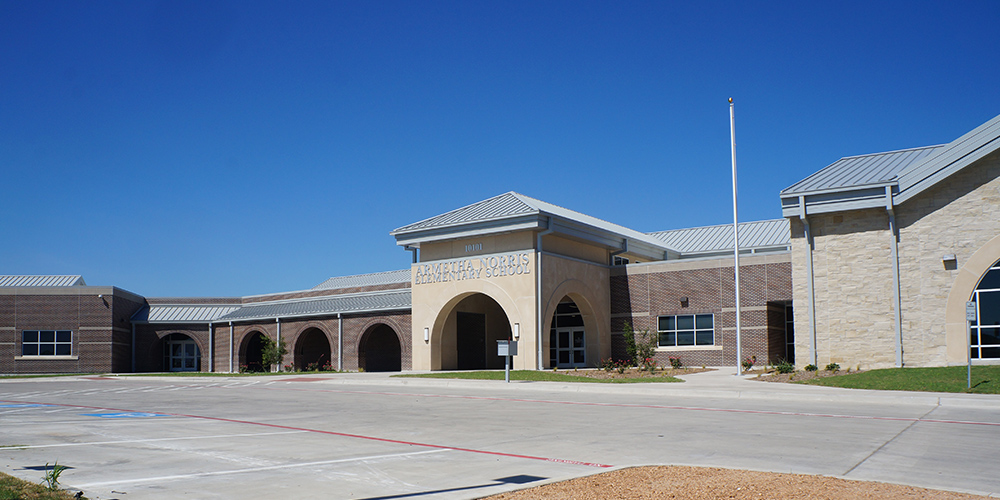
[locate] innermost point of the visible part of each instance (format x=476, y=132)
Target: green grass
x=985, y=379
x=19, y=489
x=538, y=376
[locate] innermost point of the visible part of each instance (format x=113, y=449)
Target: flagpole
x=736, y=241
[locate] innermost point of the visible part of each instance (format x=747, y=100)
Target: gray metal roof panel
x=516, y=206
x=372, y=279
x=758, y=234
x=953, y=157
x=864, y=170
x=182, y=313
x=347, y=303
x=41, y=280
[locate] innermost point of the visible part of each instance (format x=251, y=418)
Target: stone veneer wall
x=855, y=319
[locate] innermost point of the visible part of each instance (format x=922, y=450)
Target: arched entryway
x=251, y=353
x=379, y=350
x=312, y=350
x=180, y=353
x=471, y=332
x=567, y=336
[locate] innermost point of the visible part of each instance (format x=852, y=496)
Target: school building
x=877, y=255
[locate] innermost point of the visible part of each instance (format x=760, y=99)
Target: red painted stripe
x=627, y=405
x=334, y=433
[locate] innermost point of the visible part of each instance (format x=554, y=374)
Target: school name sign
x=485, y=267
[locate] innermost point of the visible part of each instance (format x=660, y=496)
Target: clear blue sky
x=234, y=148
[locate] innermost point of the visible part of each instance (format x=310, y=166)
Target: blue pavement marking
x=133, y=414
x=22, y=405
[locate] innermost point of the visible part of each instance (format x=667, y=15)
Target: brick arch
x=245, y=338
x=387, y=357
x=301, y=358
x=157, y=347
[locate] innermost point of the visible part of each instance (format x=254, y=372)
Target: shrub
x=784, y=366
x=676, y=364
x=749, y=362
x=810, y=368
x=272, y=353
x=608, y=364
x=832, y=367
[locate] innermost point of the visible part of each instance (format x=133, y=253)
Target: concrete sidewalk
x=719, y=383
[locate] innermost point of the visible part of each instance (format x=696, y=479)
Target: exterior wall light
x=427, y=334
x=517, y=330
x=950, y=262
x=684, y=301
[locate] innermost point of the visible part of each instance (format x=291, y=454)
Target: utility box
x=506, y=348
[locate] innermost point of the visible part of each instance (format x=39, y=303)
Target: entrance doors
x=567, y=337
x=180, y=353
x=471, y=341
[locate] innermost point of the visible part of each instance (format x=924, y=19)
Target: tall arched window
x=985, y=332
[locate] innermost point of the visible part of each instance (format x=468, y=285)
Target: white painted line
x=185, y=438
x=253, y=469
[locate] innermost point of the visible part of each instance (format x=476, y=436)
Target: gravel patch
x=696, y=483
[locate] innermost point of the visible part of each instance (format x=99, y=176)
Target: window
x=618, y=260
x=985, y=331
x=46, y=343
x=686, y=330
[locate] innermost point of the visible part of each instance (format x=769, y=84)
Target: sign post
x=506, y=348
x=970, y=316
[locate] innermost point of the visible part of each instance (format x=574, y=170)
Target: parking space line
x=185, y=438
x=353, y=436
x=254, y=469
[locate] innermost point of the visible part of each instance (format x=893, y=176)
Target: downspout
x=211, y=348
x=340, y=343
x=278, y=321
x=538, y=289
x=412, y=250
x=896, y=302
x=810, y=283
x=133, y=347
x=230, y=347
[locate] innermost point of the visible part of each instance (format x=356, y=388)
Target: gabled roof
x=372, y=279
x=323, y=306
x=754, y=236
x=885, y=179
x=41, y=280
x=512, y=211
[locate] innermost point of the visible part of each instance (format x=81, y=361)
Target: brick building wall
x=641, y=293
x=98, y=318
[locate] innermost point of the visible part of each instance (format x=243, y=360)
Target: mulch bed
x=633, y=373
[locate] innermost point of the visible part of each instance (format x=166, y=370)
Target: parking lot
x=337, y=436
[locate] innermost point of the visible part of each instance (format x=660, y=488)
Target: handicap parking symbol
x=129, y=414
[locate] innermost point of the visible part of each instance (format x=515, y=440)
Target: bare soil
x=696, y=483
x=796, y=376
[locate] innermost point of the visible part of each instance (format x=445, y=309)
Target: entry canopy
x=511, y=212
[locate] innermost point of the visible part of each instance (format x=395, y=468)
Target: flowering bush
x=649, y=364
x=749, y=362
x=675, y=363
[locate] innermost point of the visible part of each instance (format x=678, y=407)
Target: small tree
x=272, y=353
x=640, y=348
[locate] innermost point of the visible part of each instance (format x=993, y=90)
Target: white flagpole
x=736, y=241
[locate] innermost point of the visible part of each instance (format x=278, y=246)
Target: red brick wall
x=639, y=298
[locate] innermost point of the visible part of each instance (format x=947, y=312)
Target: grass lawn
x=985, y=379
x=540, y=376
x=19, y=489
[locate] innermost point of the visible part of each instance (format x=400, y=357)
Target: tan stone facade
x=853, y=275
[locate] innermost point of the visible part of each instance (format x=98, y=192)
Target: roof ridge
x=891, y=152
x=717, y=225
x=517, y=196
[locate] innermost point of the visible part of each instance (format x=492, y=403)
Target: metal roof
x=347, y=303
x=753, y=235
x=181, y=313
x=863, y=170
x=372, y=279
x=887, y=179
x=516, y=212
x=40, y=280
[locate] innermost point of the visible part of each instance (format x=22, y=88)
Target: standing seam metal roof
x=182, y=313
x=863, y=170
x=372, y=279
x=758, y=234
x=40, y=280
x=348, y=303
